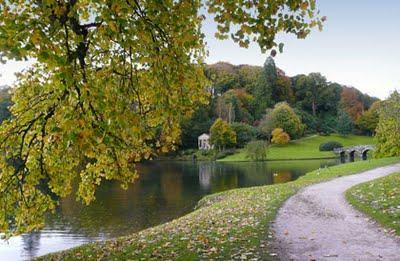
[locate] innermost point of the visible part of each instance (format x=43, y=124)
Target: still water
x=165, y=190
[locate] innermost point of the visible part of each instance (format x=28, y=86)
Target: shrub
x=329, y=146
x=224, y=153
x=280, y=137
x=256, y=150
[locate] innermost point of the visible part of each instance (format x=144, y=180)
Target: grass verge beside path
x=305, y=148
x=229, y=225
x=379, y=199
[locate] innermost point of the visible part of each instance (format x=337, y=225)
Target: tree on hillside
x=195, y=125
x=368, y=121
x=235, y=105
x=351, y=103
x=108, y=86
x=344, y=123
x=248, y=76
x=264, y=86
x=388, y=129
x=223, y=77
x=222, y=135
x=244, y=133
x=283, y=90
x=284, y=117
x=309, y=90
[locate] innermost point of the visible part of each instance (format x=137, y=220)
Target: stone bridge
x=360, y=150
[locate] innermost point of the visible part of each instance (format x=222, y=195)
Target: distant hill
x=227, y=76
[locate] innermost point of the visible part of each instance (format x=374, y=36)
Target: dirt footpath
x=318, y=224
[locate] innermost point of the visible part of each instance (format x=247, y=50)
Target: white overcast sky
x=359, y=46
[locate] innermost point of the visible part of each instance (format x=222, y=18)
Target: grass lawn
x=379, y=199
x=229, y=225
x=305, y=148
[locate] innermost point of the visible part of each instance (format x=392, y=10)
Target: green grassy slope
x=229, y=225
x=379, y=199
x=305, y=148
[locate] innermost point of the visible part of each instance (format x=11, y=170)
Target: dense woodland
x=245, y=97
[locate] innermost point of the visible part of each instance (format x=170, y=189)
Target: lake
x=164, y=191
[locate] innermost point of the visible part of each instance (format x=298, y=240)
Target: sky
x=359, y=47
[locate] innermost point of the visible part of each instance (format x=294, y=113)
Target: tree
x=110, y=82
x=283, y=90
x=280, y=137
x=256, y=150
x=244, y=133
x=388, y=129
x=284, y=117
x=234, y=105
x=222, y=135
x=264, y=86
x=5, y=103
x=314, y=94
x=351, y=103
x=223, y=76
x=368, y=121
x=192, y=127
x=344, y=123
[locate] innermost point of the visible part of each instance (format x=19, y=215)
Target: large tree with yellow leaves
x=109, y=84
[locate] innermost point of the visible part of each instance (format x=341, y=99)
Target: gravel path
x=318, y=224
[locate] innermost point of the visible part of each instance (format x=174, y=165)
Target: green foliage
x=5, y=103
x=310, y=121
x=110, y=82
x=344, y=123
x=223, y=76
x=315, y=95
x=330, y=145
x=368, y=121
x=283, y=91
x=388, y=129
x=280, y=137
x=199, y=123
x=327, y=124
x=263, y=89
x=222, y=135
x=234, y=105
x=284, y=117
x=244, y=133
x=256, y=150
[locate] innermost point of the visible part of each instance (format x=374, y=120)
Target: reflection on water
x=165, y=190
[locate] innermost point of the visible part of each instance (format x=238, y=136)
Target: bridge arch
x=364, y=154
x=342, y=156
x=351, y=155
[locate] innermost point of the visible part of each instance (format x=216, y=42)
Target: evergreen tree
x=265, y=84
x=344, y=123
